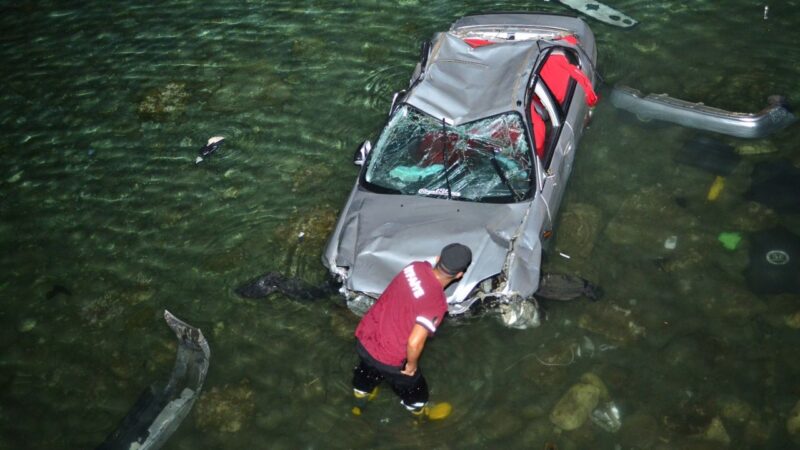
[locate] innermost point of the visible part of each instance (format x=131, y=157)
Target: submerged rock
x=308, y=47
x=639, y=430
x=761, y=148
x=611, y=321
x=716, y=432
x=160, y=103
x=693, y=418
x=26, y=325
x=575, y=238
x=758, y=432
x=573, y=409
x=225, y=409
x=302, y=239
x=793, y=320
x=735, y=410
x=683, y=260
x=503, y=423
x=647, y=217
x=733, y=301
x=100, y=311
x=578, y=229
x=594, y=380
x=254, y=85
x=752, y=216
x=311, y=178
x=793, y=423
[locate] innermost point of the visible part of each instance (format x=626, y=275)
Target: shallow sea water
x=104, y=105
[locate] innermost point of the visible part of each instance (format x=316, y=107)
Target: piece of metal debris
x=775, y=117
x=601, y=12
x=158, y=412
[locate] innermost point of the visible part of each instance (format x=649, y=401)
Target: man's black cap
x=455, y=258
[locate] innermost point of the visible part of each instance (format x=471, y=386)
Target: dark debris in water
x=57, y=290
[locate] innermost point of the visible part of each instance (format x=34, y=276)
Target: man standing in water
x=392, y=334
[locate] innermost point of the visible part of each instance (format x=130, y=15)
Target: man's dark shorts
x=412, y=390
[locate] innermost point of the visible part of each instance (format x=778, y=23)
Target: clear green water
x=103, y=106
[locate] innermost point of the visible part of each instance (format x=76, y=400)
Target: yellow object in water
x=716, y=188
x=439, y=411
x=356, y=411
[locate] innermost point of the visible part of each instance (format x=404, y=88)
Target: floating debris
x=211, y=146
x=159, y=411
x=671, y=242
x=601, y=12
x=607, y=417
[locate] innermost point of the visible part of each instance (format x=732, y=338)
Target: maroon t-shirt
x=413, y=296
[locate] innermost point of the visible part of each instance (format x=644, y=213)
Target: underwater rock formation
x=226, y=409
x=716, y=432
x=611, y=321
x=647, y=217
x=576, y=234
x=301, y=240
x=793, y=423
x=574, y=408
x=160, y=103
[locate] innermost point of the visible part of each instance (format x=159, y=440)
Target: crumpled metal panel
x=462, y=86
x=380, y=234
x=524, y=261
x=773, y=118
x=517, y=20
x=545, y=24
x=159, y=411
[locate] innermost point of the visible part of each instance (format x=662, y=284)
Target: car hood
x=379, y=234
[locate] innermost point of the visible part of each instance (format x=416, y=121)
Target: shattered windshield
x=486, y=160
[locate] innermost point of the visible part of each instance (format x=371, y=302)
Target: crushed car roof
x=462, y=84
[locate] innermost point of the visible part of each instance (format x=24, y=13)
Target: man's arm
x=416, y=342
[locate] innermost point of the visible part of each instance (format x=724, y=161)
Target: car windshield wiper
x=502, y=174
x=446, y=168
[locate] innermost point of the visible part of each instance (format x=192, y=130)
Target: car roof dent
x=463, y=84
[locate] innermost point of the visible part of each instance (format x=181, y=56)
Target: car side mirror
x=360, y=156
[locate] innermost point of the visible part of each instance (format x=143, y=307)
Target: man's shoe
x=436, y=411
x=361, y=399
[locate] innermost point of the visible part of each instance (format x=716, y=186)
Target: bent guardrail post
x=158, y=412
x=774, y=117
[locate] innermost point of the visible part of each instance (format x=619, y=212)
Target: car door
x=551, y=149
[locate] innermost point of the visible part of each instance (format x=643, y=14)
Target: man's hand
x=416, y=342
x=409, y=370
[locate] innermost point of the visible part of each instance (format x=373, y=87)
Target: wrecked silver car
x=477, y=150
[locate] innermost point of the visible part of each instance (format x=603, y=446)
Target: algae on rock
x=160, y=103
x=574, y=408
x=226, y=409
x=302, y=239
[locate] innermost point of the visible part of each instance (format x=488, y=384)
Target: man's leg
x=365, y=385
x=413, y=391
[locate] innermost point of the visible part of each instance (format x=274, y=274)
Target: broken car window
x=485, y=160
